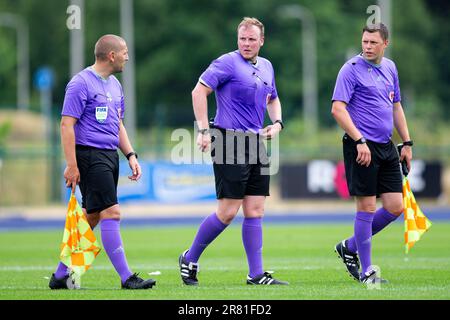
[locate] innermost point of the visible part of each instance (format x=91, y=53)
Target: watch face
x=361, y=141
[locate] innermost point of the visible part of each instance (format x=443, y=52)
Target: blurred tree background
x=176, y=40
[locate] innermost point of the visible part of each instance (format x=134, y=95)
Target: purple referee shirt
x=98, y=104
x=242, y=90
x=370, y=92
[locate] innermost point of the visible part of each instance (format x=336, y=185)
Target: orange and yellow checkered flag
x=79, y=246
x=416, y=223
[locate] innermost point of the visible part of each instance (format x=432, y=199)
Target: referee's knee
x=226, y=217
x=396, y=210
x=112, y=212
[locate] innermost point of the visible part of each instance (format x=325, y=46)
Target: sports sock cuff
x=364, y=216
x=252, y=222
x=110, y=225
x=216, y=221
x=386, y=214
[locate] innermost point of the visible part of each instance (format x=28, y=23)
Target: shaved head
x=106, y=44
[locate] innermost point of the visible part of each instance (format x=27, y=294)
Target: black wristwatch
x=408, y=143
x=280, y=122
x=362, y=140
x=203, y=131
x=132, y=153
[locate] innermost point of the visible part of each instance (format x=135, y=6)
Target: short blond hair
x=247, y=21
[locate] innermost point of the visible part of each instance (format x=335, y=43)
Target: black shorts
x=381, y=176
x=99, y=175
x=241, y=165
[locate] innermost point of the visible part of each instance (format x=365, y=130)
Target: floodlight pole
x=77, y=42
x=385, y=8
x=127, y=30
x=309, y=64
x=23, y=57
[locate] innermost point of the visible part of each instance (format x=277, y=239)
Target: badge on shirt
x=391, y=96
x=101, y=113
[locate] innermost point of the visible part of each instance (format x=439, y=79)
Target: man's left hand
x=271, y=131
x=406, y=154
x=135, y=169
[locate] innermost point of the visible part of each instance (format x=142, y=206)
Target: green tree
x=176, y=40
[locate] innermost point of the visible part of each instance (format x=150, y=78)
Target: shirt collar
x=97, y=75
x=371, y=63
x=256, y=65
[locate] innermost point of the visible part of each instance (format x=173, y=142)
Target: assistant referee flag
x=416, y=223
x=79, y=246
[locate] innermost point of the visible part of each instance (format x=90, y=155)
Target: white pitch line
x=412, y=264
x=152, y=267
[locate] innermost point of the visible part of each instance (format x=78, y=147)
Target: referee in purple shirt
x=366, y=103
x=244, y=86
x=91, y=132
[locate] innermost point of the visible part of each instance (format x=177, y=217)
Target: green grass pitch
x=300, y=254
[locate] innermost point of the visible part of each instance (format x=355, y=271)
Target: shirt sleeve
x=122, y=107
x=218, y=72
x=345, y=84
x=397, y=93
x=274, y=93
x=75, y=98
x=122, y=100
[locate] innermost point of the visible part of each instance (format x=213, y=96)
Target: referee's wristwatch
x=280, y=122
x=362, y=140
x=408, y=143
x=132, y=153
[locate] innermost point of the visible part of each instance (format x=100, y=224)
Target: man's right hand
x=72, y=176
x=364, y=156
x=203, y=141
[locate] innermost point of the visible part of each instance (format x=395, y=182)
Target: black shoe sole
x=149, y=286
x=184, y=282
x=341, y=259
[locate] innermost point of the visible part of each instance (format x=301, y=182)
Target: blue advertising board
x=163, y=182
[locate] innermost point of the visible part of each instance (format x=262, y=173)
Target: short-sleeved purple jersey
x=370, y=92
x=98, y=104
x=242, y=90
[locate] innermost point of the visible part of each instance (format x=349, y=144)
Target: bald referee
x=91, y=132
